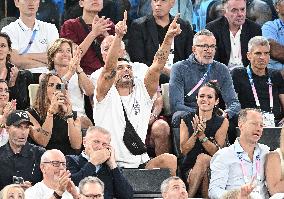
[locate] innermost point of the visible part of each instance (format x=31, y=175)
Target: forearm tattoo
x=161, y=55
x=44, y=132
x=111, y=75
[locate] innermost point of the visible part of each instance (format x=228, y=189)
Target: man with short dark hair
x=232, y=33
x=147, y=33
x=18, y=157
x=30, y=38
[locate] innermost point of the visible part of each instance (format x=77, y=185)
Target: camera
x=18, y=180
x=60, y=86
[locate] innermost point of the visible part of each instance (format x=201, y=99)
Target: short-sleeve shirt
x=243, y=89
x=20, y=35
x=274, y=30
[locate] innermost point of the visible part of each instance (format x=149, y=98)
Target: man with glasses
x=56, y=181
x=98, y=160
x=188, y=75
x=258, y=86
x=19, y=160
x=232, y=32
x=91, y=188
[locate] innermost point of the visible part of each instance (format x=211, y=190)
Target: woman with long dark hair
x=17, y=80
x=56, y=126
x=201, y=135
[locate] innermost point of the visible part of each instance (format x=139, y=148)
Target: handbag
x=131, y=139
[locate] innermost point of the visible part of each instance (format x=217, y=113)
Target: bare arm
x=41, y=134
x=27, y=61
x=276, y=51
x=186, y=143
x=85, y=83
x=273, y=173
x=151, y=80
x=107, y=76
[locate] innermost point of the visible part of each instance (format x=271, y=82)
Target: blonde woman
x=12, y=191
x=274, y=169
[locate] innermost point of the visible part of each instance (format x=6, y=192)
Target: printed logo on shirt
x=136, y=107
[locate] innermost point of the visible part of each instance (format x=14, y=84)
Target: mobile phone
x=18, y=180
x=60, y=87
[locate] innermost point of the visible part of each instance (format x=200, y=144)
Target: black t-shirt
x=245, y=94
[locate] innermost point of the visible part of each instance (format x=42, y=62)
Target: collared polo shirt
x=20, y=36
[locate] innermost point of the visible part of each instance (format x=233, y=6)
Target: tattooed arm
x=107, y=76
x=151, y=80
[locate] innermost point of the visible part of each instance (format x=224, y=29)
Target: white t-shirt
x=108, y=114
x=41, y=191
x=76, y=95
x=20, y=36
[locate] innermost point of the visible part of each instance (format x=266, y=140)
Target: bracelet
x=68, y=116
x=56, y=195
x=205, y=139
x=79, y=72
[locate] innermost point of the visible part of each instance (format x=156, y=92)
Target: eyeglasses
x=94, y=196
x=56, y=163
x=206, y=46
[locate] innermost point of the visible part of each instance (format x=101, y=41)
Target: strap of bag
x=95, y=44
x=30, y=43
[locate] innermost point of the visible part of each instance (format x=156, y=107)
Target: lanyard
x=30, y=42
x=200, y=81
x=255, y=93
x=244, y=170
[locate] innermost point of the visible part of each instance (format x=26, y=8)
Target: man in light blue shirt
x=243, y=162
x=274, y=32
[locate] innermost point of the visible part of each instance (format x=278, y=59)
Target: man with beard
x=232, y=33
x=188, y=75
x=124, y=101
x=56, y=181
x=258, y=86
x=242, y=163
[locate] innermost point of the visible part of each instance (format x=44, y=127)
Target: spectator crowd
x=81, y=98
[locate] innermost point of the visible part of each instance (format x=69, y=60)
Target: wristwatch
x=56, y=195
x=205, y=139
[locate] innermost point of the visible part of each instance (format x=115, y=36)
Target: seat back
x=32, y=92
x=146, y=181
x=166, y=99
